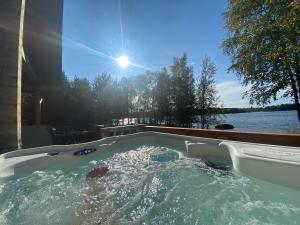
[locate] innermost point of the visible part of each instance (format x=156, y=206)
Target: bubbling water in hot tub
x=146, y=184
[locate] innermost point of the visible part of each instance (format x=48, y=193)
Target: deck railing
x=255, y=137
x=120, y=130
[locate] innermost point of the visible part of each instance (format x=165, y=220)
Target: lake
x=279, y=121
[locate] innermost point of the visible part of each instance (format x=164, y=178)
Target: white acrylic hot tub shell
x=276, y=164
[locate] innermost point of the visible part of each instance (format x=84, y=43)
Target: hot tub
x=153, y=178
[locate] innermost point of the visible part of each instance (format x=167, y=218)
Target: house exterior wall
x=11, y=38
x=30, y=37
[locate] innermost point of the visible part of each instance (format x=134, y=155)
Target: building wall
x=37, y=49
x=43, y=50
x=11, y=26
x=42, y=40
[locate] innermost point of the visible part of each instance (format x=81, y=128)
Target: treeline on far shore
x=282, y=107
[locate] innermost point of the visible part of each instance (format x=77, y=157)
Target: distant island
x=282, y=107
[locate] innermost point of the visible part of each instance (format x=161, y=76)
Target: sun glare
x=123, y=61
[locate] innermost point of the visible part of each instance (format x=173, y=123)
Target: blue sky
x=151, y=33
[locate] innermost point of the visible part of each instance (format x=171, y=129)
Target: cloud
x=231, y=93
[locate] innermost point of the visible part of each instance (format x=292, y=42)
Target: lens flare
x=123, y=61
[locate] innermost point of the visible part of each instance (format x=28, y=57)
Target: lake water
x=279, y=121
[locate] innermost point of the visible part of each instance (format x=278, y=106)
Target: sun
x=123, y=61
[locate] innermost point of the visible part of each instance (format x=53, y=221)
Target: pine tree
x=102, y=95
x=207, y=98
x=183, y=91
x=143, y=101
x=80, y=101
x=162, y=96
